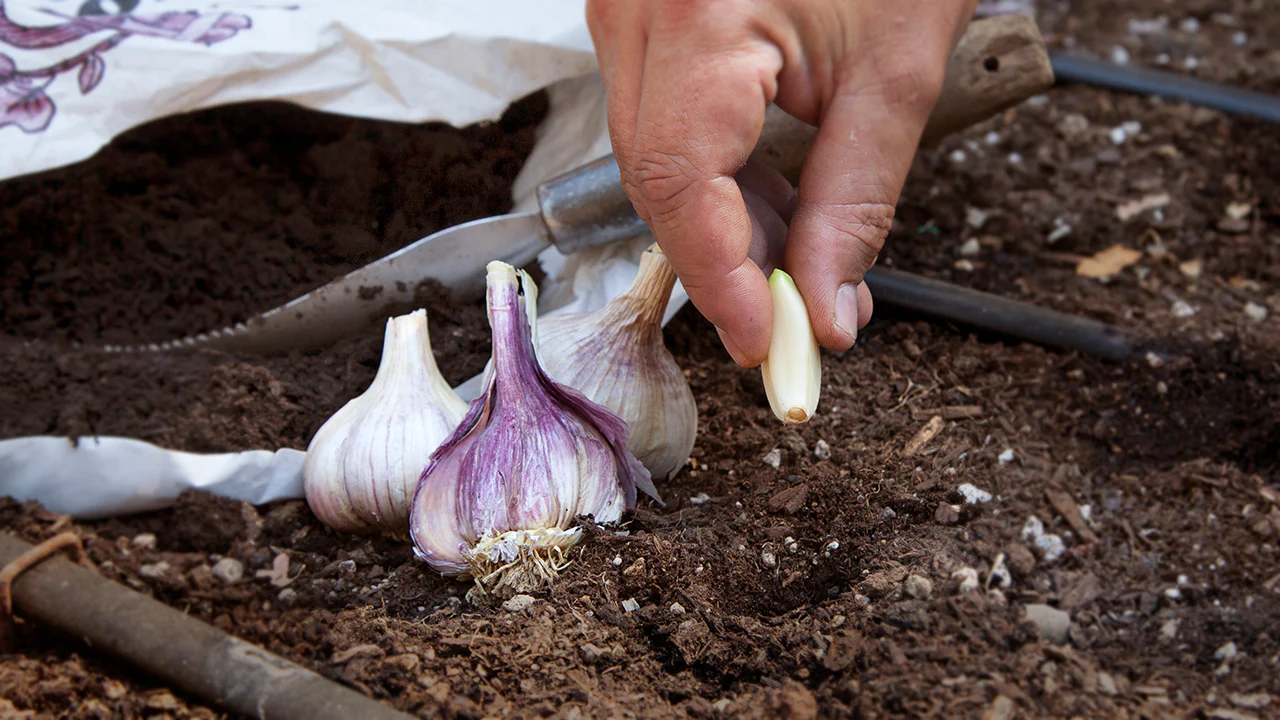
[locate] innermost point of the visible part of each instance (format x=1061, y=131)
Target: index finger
x=700, y=116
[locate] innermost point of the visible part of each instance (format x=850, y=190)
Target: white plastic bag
x=76, y=73
x=97, y=477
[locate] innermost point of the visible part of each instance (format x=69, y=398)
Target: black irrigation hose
x=1145, y=81
x=1000, y=315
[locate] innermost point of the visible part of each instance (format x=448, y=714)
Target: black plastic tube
x=1145, y=81
x=1000, y=315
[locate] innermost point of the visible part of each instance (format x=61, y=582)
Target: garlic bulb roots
x=616, y=357
x=792, y=370
x=363, y=465
x=499, y=499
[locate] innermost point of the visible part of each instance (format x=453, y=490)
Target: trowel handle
x=587, y=207
x=999, y=62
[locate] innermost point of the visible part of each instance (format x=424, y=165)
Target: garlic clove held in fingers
x=363, y=465
x=499, y=500
x=616, y=357
x=792, y=370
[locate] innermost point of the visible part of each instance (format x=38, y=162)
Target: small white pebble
x=970, y=248
x=1163, y=59
x=975, y=217
x=1183, y=580
x=1015, y=158
x=1256, y=312
x=1131, y=127
x=1038, y=100
x=1173, y=594
x=630, y=605
x=1239, y=39
x=1154, y=360
x=1119, y=55
x=963, y=265
x=1000, y=574
x=1118, y=135
x=1226, y=652
x=1189, y=25
x=958, y=156
x=968, y=578
x=1006, y=456
x=700, y=499
x=1191, y=63
x=773, y=458
x=1181, y=309
x=769, y=559
x=821, y=450
x=1033, y=528
x=154, y=570
x=792, y=547
x=1147, y=27
x=973, y=494
x=992, y=138
x=918, y=587
x=677, y=609
x=1052, y=547
x=1086, y=512
x=228, y=570
x=146, y=541
x=617, y=560
x=888, y=513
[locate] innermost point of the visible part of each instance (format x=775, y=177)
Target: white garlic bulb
x=616, y=357
x=362, y=466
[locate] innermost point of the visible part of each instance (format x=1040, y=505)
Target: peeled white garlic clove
x=616, y=357
x=792, y=370
x=363, y=465
x=500, y=497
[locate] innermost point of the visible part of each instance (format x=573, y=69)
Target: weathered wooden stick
x=178, y=648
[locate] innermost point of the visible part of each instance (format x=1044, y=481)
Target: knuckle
x=660, y=180
x=913, y=87
x=862, y=226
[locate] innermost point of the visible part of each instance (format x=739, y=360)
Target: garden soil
x=797, y=572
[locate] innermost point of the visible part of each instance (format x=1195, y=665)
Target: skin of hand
x=687, y=84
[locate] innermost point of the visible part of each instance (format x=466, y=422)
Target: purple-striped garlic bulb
x=499, y=500
x=363, y=464
x=616, y=357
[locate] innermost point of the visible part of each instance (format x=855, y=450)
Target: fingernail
x=734, y=351
x=847, y=309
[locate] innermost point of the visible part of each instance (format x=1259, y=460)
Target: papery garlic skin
x=362, y=467
x=498, y=500
x=792, y=370
x=616, y=357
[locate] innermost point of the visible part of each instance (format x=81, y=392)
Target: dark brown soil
x=762, y=591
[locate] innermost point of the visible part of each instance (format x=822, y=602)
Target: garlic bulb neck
x=645, y=300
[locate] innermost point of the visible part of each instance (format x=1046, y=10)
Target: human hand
x=688, y=82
